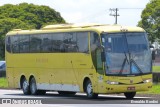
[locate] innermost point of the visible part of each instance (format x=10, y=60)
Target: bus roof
x=99, y=28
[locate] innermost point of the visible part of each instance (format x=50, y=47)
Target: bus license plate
x=130, y=88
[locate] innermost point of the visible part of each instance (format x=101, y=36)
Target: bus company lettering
x=42, y=60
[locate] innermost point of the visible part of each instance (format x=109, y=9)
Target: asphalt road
x=79, y=100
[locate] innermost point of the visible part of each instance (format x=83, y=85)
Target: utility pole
x=114, y=12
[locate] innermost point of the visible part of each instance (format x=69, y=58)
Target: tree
x=7, y=25
x=25, y=16
x=150, y=20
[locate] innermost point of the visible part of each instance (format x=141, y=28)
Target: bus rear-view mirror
x=103, y=58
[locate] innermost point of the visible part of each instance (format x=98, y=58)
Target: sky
x=93, y=11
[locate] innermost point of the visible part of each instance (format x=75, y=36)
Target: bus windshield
x=127, y=53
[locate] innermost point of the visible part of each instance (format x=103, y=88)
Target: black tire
x=41, y=92
x=130, y=95
x=25, y=87
x=89, y=90
x=33, y=86
x=66, y=93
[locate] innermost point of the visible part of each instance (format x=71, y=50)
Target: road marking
x=12, y=93
x=105, y=95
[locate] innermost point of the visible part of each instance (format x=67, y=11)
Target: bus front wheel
x=89, y=90
x=130, y=95
x=25, y=87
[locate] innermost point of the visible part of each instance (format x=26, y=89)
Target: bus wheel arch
x=30, y=78
x=88, y=88
x=84, y=83
x=24, y=85
x=21, y=80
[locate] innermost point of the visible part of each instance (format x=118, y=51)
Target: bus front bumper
x=127, y=88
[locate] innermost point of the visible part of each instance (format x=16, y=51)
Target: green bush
x=3, y=83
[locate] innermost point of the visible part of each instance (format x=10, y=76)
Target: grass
x=156, y=68
x=155, y=89
x=3, y=83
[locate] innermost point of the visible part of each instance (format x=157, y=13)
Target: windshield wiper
x=133, y=61
x=126, y=57
x=129, y=60
x=124, y=62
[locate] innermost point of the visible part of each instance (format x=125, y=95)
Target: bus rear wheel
x=89, y=90
x=130, y=95
x=25, y=87
x=33, y=86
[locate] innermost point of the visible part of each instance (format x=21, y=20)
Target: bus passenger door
x=100, y=72
x=96, y=59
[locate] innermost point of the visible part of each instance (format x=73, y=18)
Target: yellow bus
x=69, y=58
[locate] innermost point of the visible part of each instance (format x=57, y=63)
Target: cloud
x=76, y=11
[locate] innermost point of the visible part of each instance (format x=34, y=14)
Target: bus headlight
x=147, y=80
x=112, y=82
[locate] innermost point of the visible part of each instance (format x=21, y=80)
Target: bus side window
x=8, y=44
x=15, y=44
x=82, y=42
x=24, y=43
x=57, y=41
x=70, y=42
x=35, y=43
x=47, y=43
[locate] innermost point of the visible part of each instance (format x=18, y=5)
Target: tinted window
x=8, y=44
x=137, y=42
x=70, y=42
x=24, y=43
x=57, y=40
x=94, y=41
x=47, y=43
x=35, y=43
x=15, y=44
x=115, y=43
x=82, y=42
x=96, y=54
